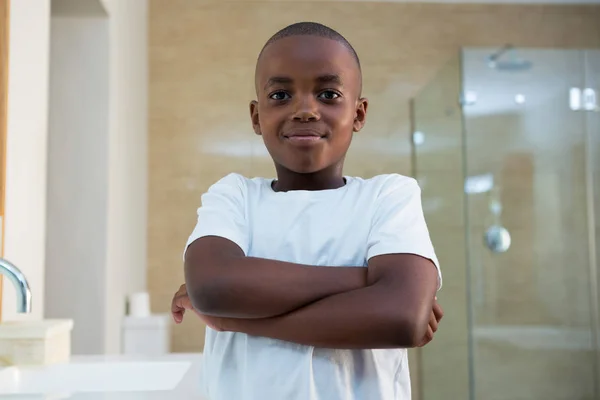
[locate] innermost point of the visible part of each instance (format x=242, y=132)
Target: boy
x=314, y=284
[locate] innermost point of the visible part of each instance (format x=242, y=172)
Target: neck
x=329, y=178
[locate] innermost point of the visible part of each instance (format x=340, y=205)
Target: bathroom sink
x=119, y=376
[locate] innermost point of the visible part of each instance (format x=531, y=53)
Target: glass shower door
x=592, y=106
x=533, y=316
x=441, y=369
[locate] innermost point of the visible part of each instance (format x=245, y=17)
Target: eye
x=279, y=96
x=329, y=95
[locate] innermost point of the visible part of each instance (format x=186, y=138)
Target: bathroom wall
x=202, y=57
x=26, y=149
x=78, y=175
x=126, y=257
x=103, y=148
x=96, y=247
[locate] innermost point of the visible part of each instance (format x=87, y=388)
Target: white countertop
x=188, y=388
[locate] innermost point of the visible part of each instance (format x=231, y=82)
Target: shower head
x=512, y=64
x=519, y=65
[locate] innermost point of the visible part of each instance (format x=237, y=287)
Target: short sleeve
x=222, y=212
x=398, y=224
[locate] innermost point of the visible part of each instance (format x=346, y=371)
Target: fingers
x=428, y=337
x=436, y=315
x=177, y=310
x=437, y=311
x=179, y=304
x=433, y=322
x=178, y=316
x=175, y=304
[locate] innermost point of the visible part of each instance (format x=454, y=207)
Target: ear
x=361, y=114
x=254, y=117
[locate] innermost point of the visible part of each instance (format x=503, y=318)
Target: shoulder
x=233, y=180
x=385, y=184
x=231, y=186
x=237, y=185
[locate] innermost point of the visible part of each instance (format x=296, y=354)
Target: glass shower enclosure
x=506, y=148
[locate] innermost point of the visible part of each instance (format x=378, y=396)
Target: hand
x=181, y=302
x=436, y=316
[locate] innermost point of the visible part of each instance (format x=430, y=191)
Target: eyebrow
x=278, y=80
x=330, y=78
x=327, y=78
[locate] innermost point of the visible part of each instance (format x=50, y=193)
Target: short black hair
x=311, y=29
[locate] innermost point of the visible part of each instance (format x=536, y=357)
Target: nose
x=306, y=110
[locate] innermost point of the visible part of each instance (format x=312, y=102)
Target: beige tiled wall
x=202, y=56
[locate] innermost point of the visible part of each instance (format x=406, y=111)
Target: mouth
x=303, y=137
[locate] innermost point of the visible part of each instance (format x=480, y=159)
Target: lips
x=303, y=133
x=303, y=137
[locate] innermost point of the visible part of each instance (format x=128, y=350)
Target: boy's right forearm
x=249, y=287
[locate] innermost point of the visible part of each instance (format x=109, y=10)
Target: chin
x=308, y=168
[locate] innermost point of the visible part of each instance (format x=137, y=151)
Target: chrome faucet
x=20, y=283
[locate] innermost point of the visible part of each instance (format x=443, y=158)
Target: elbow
x=204, y=287
x=417, y=331
x=412, y=329
x=202, y=298
x=206, y=297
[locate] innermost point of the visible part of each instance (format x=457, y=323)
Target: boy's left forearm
x=367, y=318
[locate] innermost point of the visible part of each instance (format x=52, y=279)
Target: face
x=308, y=102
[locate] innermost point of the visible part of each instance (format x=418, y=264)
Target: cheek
x=269, y=120
x=343, y=121
x=270, y=138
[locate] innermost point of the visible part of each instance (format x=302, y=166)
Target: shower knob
x=497, y=239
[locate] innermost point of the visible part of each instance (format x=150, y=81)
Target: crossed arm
x=387, y=305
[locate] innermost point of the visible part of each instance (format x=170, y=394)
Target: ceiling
x=570, y=2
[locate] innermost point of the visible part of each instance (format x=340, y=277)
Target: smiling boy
x=314, y=284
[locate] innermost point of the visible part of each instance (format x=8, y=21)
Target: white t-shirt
x=337, y=227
